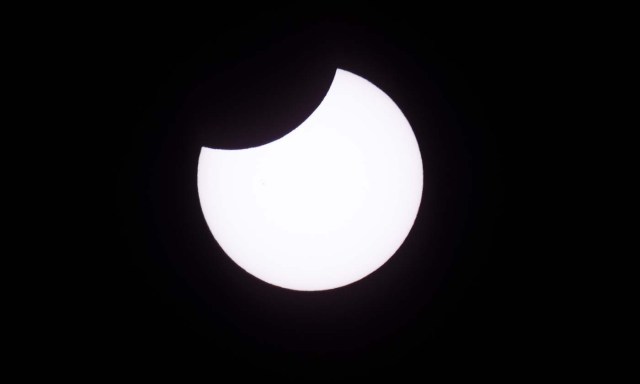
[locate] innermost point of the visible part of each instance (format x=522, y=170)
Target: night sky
x=158, y=288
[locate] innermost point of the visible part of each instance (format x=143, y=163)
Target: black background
x=156, y=287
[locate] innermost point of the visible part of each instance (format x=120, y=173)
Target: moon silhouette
x=325, y=205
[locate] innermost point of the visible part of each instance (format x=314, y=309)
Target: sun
x=325, y=205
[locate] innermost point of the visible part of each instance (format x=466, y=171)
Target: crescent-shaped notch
x=325, y=205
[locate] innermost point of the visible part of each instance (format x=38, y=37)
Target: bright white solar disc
x=325, y=205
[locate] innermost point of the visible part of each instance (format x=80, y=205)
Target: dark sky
x=157, y=287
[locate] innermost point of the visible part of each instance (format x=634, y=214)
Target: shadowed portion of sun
x=325, y=205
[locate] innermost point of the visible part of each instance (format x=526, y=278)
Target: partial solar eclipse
x=325, y=205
